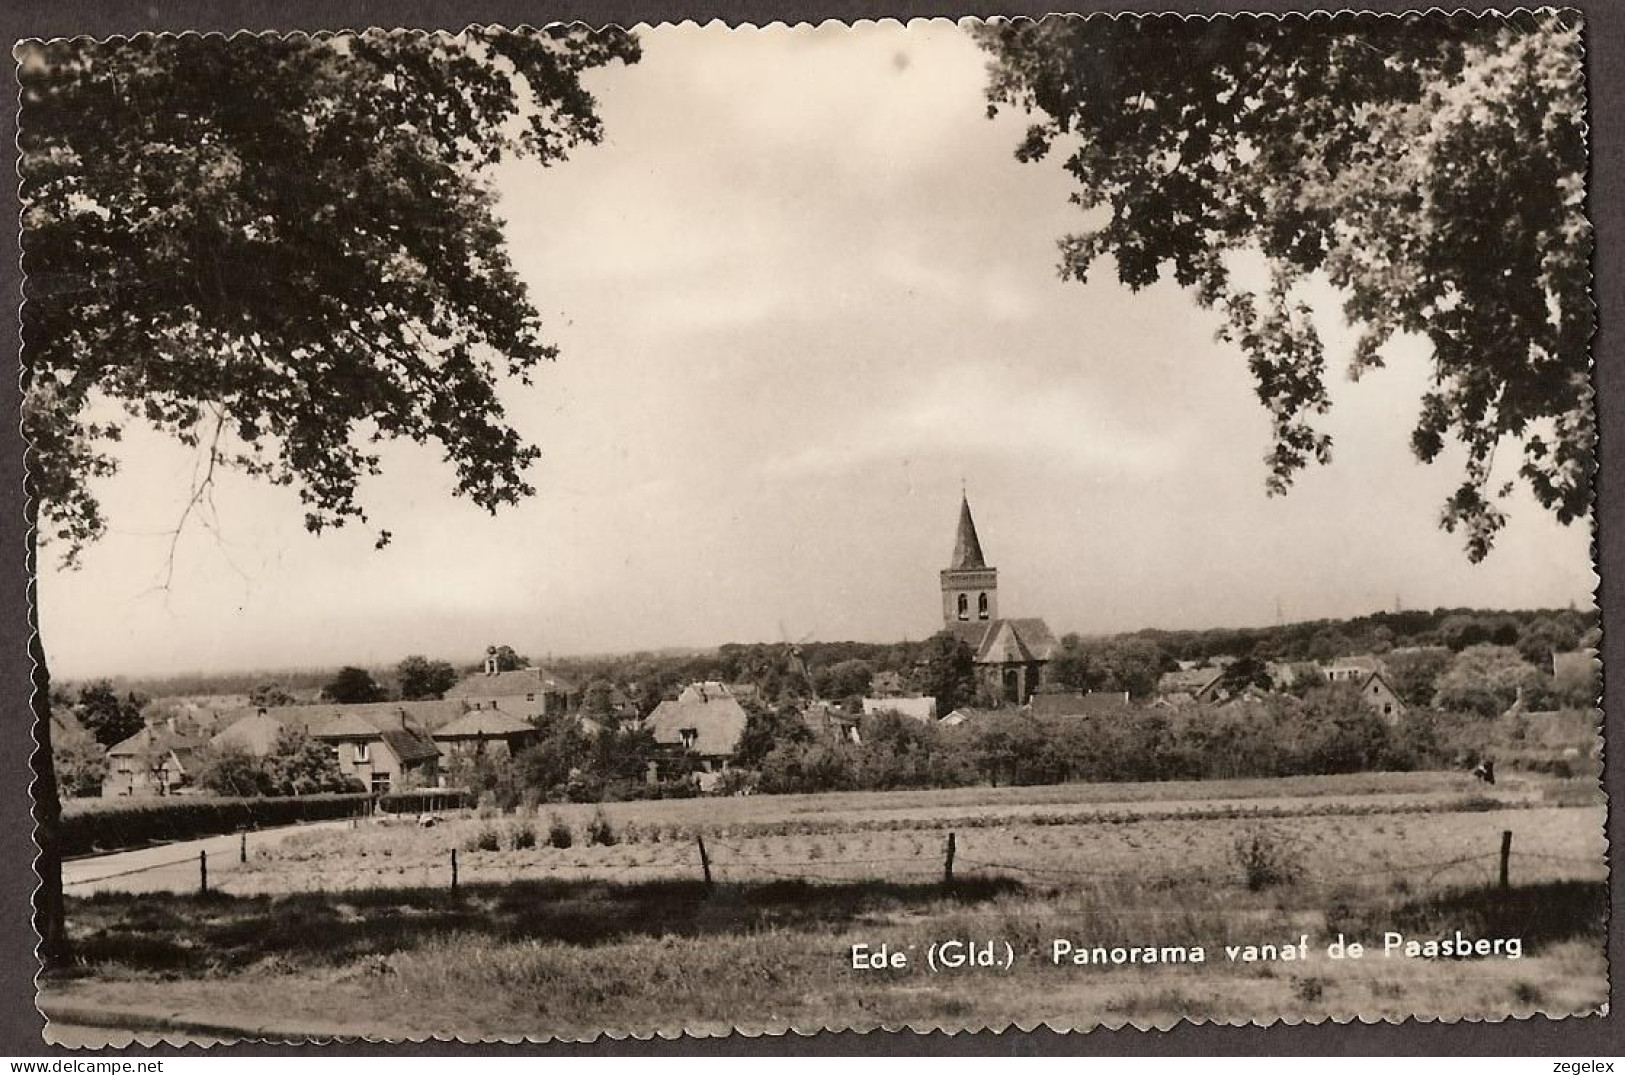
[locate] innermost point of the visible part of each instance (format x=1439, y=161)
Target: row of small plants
x=521, y=834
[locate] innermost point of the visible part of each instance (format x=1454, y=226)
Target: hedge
x=115, y=824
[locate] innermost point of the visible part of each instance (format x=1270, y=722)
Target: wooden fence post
x=454, y=871
x=242, y=847
x=705, y=861
x=1506, y=859
x=948, y=867
x=203, y=872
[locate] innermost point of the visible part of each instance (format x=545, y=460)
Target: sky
x=804, y=295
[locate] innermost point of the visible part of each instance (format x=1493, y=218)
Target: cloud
x=991, y=411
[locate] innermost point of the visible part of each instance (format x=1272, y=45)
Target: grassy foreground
x=356, y=932
x=572, y=959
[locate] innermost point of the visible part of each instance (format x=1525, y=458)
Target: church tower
x=970, y=589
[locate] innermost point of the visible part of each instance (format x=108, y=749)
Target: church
x=1011, y=654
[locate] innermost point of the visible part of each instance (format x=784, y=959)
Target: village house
x=384, y=753
x=831, y=723
x=1011, y=654
x=1380, y=697
x=703, y=723
x=157, y=760
x=1189, y=686
x=256, y=728
x=527, y=694
x=483, y=731
x=922, y=708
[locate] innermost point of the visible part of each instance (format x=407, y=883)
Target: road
x=173, y=867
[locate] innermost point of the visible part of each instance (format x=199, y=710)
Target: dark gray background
x=20, y=1024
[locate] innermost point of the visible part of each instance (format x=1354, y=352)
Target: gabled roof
x=1007, y=641
x=717, y=722
x=484, y=724
x=156, y=739
x=967, y=546
x=348, y=726
x=409, y=745
x=516, y=683
x=966, y=714
x=429, y=713
x=256, y=733
x=1188, y=681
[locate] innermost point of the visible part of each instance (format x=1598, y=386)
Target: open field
x=356, y=930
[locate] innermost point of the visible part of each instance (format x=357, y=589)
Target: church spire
x=967, y=548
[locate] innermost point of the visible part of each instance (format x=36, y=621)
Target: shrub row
x=139, y=822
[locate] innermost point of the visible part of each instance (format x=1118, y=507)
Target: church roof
x=1020, y=641
x=967, y=547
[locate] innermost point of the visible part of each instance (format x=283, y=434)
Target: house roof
x=484, y=724
x=965, y=714
x=1362, y=662
x=967, y=546
x=429, y=714
x=156, y=739
x=256, y=733
x=1077, y=703
x=1188, y=681
x=718, y=722
x=348, y=726
x=707, y=689
x=409, y=745
x=919, y=708
x=516, y=683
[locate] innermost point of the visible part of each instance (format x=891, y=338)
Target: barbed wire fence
x=948, y=867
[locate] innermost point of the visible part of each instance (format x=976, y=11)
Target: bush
x=522, y=836
x=113, y=824
x=558, y=832
x=1267, y=859
x=600, y=833
x=487, y=838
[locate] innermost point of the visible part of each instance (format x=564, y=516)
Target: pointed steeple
x=967, y=548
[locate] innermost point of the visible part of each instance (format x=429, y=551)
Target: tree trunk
x=50, y=918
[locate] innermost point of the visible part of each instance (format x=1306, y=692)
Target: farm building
x=922, y=709
x=156, y=760
x=1189, y=685
x=1381, y=698
x=1077, y=703
x=1011, y=654
x=1575, y=673
x=703, y=724
x=384, y=754
x=524, y=693
x=1350, y=669
x=484, y=731
x=831, y=723
x=967, y=715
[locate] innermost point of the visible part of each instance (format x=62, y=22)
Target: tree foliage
x=419, y=677
x=1431, y=167
x=281, y=250
x=109, y=718
x=353, y=686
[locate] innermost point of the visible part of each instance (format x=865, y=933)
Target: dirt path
x=173, y=867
